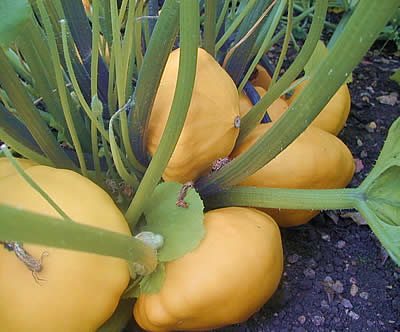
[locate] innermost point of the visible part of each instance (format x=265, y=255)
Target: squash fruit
x=7, y=169
x=315, y=160
x=209, y=131
x=260, y=77
x=228, y=277
x=80, y=291
x=334, y=115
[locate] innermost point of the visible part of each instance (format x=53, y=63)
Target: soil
x=337, y=276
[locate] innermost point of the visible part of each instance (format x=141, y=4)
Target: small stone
x=312, y=263
x=328, y=279
x=363, y=154
x=338, y=287
x=346, y=303
x=309, y=273
x=371, y=127
x=353, y=280
x=359, y=142
x=293, y=258
x=325, y=237
x=301, y=319
x=340, y=244
x=318, y=320
x=353, y=290
x=364, y=295
x=325, y=305
x=353, y=315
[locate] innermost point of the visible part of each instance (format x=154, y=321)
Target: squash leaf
x=182, y=228
x=14, y=18
x=380, y=203
x=396, y=76
x=319, y=54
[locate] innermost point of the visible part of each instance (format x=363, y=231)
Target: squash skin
x=261, y=78
x=209, y=132
x=228, y=277
x=275, y=110
x=7, y=169
x=82, y=290
x=334, y=115
x=315, y=160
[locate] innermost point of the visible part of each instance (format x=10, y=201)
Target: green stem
x=210, y=26
x=234, y=25
x=29, y=227
x=189, y=39
x=30, y=116
x=285, y=43
x=62, y=91
x=156, y=56
x=305, y=199
x=359, y=34
x=253, y=118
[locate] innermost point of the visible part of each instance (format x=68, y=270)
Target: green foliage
x=182, y=228
x=14, y=19
x=381, y=188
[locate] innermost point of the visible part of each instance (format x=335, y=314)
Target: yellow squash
x=260, y=77
x=209, y=131
x=315, y=160
x=334, y=115
x=6, y=168
x=77, y=291
x=228, y=277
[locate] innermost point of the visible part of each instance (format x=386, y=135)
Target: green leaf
x=153, y=282
x=14, y=16
x=182, y=228
x=149, y=284
x=319, y=54
x=381, y=194
x=396, y=76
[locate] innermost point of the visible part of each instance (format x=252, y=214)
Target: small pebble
x=364, y=295
x=340, y=244
x=309, y=273
x=325, y=237
x=353, y=290
x=293, y=258
x=301, y=319
x=325, y=305
x=353, y=315
x=338, y=287
x=318, y=320
x=346, y=303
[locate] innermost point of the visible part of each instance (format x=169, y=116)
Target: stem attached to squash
x=305, y=199
x=189, y=38
x=362, y=29
x=29, y=227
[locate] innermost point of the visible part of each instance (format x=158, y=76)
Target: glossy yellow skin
x=315, y=160
x=277, y=108
x=80, y=291
x=228, y=277
x=209, y=131
x=334, y=115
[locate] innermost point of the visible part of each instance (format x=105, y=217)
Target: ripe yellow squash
x=228, y=277
x=209, y=131
x=315, y=160
x=6, y=168
x=77, y=291
x=334, y=115
x=260, y=77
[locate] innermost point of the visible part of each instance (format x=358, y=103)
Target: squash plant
x=101, y=95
